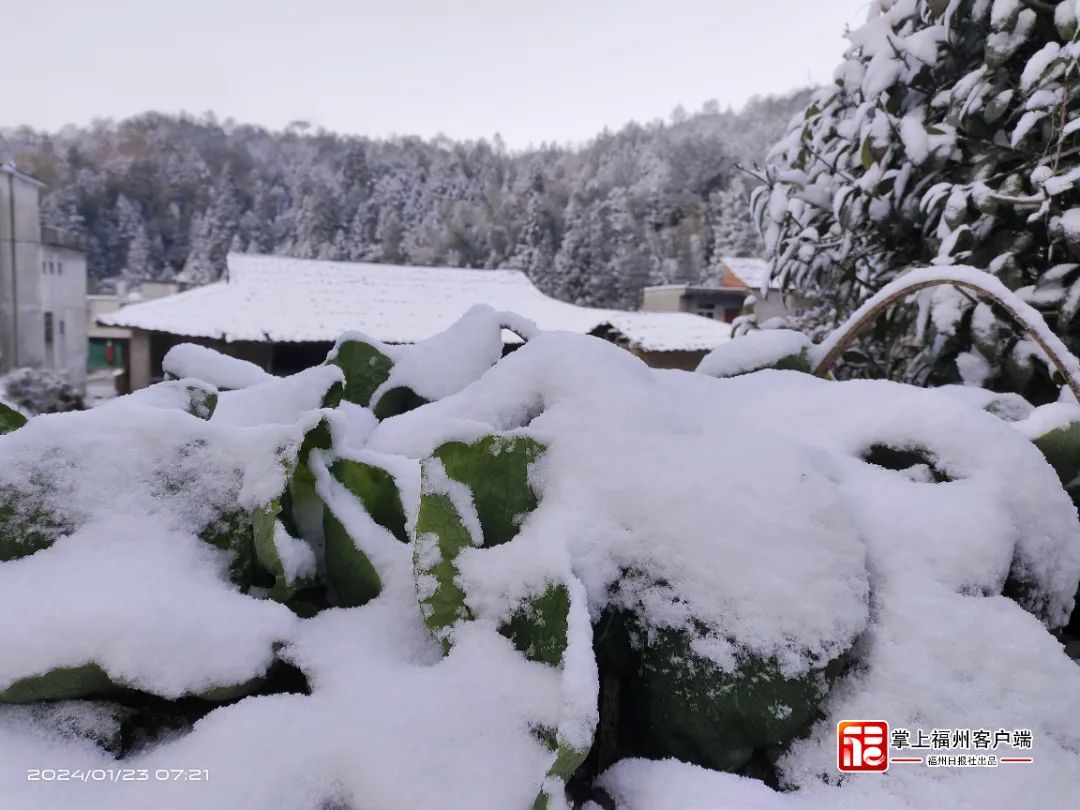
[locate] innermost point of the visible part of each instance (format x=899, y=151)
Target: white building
x=42, y=286
x=284, y=314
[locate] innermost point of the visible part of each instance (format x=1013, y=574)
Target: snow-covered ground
x=824, y=551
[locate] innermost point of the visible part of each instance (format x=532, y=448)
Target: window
x=61, y=328
x=59, y=267
x=48, y=328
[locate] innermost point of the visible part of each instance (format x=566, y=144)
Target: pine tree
x=140, y=261
x=733, y=230
x=222, y=222
x=199, y=268
x=630, y=263
x=575, y=262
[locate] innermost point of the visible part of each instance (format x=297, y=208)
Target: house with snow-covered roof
x=284, y=314
x=726, y=292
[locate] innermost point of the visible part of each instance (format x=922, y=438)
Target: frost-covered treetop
x=947, y=136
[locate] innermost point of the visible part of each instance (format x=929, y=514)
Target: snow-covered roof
x=280, y=299
x=732, y=273
x=669, y=331
x=753, y=272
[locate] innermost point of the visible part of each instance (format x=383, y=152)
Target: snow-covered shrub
x=947, y=136
x=757, y=350
x=538, y=570
x=223, y=372
x=39, y=390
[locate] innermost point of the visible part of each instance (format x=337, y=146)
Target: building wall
x=718, y=303
x=63, y=307
x=22, y=336
x=149, y=290
x=684, y=360
x=140, y=373
x=98, y=305
x=663, y=299
x=721, y=305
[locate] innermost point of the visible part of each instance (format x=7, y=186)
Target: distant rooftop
x=753, y=272
x=731, y=273
x=283, y=300
x=9, y=168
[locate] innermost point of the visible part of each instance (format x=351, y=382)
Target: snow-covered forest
x=158, y=195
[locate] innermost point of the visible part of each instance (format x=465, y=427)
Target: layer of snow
x=447, y=362
x=745, y=504
x=751, y=351
x=1046, y=418
x=151, y=606
x=669, y=331
x=278, y=400
x=606, y=419
x=913, y=135
x=1010, y=407
x=285, y=300
x=192, y=360
x=642, y=784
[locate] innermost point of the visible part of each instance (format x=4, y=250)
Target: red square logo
x=862, y=746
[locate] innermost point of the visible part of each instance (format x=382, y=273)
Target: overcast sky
x=529, y=70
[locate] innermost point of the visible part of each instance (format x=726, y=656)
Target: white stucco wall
x=63, y=294
x=21, y=335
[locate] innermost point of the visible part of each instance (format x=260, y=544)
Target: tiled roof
x=279, y=299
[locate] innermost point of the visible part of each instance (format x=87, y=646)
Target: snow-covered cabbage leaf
x=10, y=419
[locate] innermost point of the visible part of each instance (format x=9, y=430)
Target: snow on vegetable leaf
x=366, y=366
